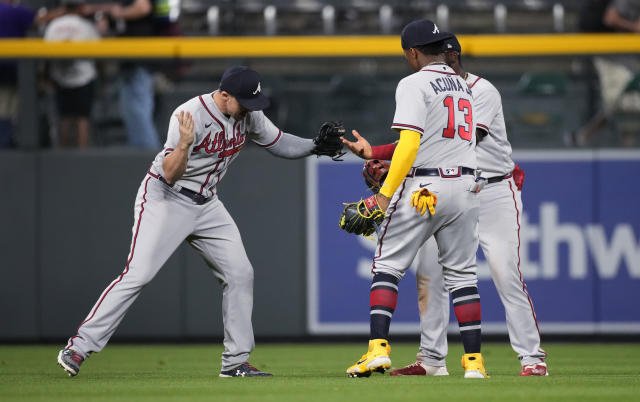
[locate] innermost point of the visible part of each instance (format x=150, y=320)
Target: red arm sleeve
x=383, y=152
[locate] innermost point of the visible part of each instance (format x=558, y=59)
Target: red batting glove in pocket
x=518, y=177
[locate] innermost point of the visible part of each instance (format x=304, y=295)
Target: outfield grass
x=314, y=372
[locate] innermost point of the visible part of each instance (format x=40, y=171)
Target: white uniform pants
x=499, y=231
x=454, y=226
x=165, y=218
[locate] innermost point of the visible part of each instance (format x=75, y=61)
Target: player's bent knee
x=241, y=276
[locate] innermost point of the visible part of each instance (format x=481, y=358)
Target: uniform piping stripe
x=126, y=270
x=474, y=82
x=441, y=72
x=209, y=176
x=387, y=284
x=168, y=151
x=400, y=125
x=470, y=328
x=209, y=111
x=482, y=126
x=382, y=312
x=524, y=287
x=274, y=141
x=384, y=232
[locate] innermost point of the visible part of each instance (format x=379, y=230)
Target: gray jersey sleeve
x=411, y=107
x=262, y=131
x=291, y=147
x=487, y=104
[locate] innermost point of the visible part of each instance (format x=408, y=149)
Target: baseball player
x=434, y=156
x=499, y=226
x=178, y=200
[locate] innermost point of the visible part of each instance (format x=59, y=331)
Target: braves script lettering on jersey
x=499, y=232
x=217, y=143
x=190, y=210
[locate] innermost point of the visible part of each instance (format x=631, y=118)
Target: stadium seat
x=539, y=111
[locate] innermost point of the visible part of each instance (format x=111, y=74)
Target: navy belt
x=196, y=197
x=497, y=179
x=440, y=172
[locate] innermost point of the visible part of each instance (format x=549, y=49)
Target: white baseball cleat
x=536, y=369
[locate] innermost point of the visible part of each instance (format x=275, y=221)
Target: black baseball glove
x=362, y=217
x=328, y=141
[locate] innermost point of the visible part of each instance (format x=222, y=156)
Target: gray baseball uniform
x=437, y=103
x=190, y=210
x=500, y=212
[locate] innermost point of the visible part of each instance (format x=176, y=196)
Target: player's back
x=437, y=103
x=494, y=151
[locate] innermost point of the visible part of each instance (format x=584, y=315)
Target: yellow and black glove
x=422, y=200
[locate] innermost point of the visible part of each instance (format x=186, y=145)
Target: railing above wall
x=315, y=46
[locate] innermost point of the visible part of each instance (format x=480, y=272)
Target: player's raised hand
x=360, y=147
x=186, y=128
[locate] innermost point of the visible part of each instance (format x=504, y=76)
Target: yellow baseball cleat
x=376, y=359
x=473, y=365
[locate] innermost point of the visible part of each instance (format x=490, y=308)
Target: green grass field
x=314, y=372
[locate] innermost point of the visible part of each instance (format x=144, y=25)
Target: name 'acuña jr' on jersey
x=218, y=141
x=449, y=140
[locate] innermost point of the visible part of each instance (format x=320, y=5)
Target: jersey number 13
x=464, y=130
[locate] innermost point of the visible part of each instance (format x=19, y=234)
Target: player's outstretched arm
x=363, y=149
x=360, y=146
x=290, y=146
x=175, y=164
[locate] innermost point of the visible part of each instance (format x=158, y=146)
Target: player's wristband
x=383, y=152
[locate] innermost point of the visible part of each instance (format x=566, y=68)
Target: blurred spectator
x=615, y=72
x=135, y=81
x=15, y=21
x=74, y=79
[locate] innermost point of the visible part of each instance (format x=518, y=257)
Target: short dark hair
x=432, y=48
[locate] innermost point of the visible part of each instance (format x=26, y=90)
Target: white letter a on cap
x=257, y=89
x=435, y=29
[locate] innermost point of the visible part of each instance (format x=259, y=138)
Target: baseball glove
x=362, y=217
x=328, y=141
x=375, y=172
x=422, y=200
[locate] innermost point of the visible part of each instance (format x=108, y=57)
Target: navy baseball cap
x=452, y=44
x=421, y=32
x=244, y=84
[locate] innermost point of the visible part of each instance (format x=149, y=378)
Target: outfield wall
x=65, y=228
x=579, y=248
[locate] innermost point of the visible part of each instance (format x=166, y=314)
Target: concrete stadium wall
x=65, y=230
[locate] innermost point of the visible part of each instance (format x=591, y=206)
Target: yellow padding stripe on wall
x=316, y=46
